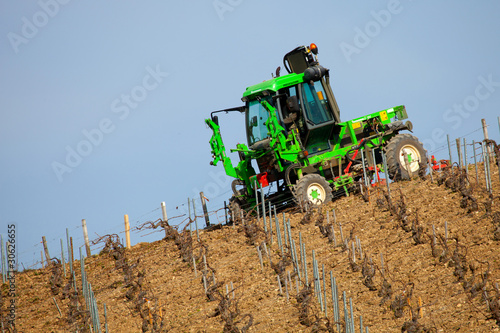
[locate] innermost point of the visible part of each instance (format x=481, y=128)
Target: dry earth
x=451, y=286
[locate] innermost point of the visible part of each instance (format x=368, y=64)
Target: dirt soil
x=446, y=283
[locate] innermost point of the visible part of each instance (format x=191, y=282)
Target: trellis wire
x=365, y=178
x=360, y=248
x=82, y=271
x=289, y=232
x=324, y=289
x=333, y=234
x=384, y=162
x=57, y=306
x=263, y=208
x=488, y=170
x=285, y=230
x=278, y=232
x=449, y=148
x=341, y=233
x=485, y=167
x=475, y=160
x=70, y=255
x=335, y=301
x=270, y=222
x=319, y=292
x=256, y=199
x=295, y=260
x=89, y=296
x=374, y=166
x=346, y=316
x=486, y=164
x=466, y=161
x=189, y=218
x=196, y=222
x=74, y=285
x=95, y=309
x=314, y=272
x=302, y=257
x=352, y=315
x=63, y=263
x=305, y=264
x=317, y=288
x=429, y=166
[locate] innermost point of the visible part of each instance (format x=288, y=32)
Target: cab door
x=318, y=117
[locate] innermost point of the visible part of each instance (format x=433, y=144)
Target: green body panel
x=349, y=127
x=288, y=148
x=274, y=84
x=218, y=149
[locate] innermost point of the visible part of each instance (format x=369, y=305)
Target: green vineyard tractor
x=303, y=152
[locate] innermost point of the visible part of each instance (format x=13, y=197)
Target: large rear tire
x=313, y=188
x=400, y=146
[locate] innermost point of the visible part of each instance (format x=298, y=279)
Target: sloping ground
x=456, y=285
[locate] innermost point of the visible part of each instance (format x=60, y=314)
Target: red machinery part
x=262, y=179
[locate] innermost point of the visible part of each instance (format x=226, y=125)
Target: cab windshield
x=317, y=107
x=256, y=121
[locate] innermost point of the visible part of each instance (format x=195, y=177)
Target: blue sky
x=102, y=104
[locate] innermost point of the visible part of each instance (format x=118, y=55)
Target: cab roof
x=273, y=85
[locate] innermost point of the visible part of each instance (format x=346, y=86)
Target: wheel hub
x=316, y=193
x=410, y=158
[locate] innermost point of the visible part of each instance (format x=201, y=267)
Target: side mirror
x=293, y=104
x=215, y=119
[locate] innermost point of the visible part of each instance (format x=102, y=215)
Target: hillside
x=447, y=284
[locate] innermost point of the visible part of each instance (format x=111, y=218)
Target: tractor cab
x=303, y=101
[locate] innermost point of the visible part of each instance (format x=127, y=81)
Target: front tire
x=399, y=147
x=313, y=188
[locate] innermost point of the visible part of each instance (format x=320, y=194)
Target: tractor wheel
x=400, y=146
x=234, y=210
x=313, y=188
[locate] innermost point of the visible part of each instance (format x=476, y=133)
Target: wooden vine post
x=46, y=250
x=86, y=237
x=127, y=232
x=164, y=217
x=205, y=211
